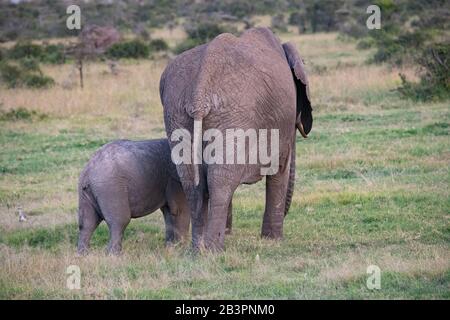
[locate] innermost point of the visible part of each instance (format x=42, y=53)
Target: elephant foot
x=272, y=234
x=83, y=250
x=114, y=250
x=207, y=246
x=272, y=229
x=215, y=241
x=214, y=248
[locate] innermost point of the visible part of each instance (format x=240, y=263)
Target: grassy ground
x=372, y=189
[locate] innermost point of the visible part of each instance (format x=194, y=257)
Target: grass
x=372, y=189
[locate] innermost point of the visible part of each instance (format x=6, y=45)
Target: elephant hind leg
x=197, y=204
x=88, y=220
x=276, y=192
x=176, y=213
x=116, y=231
x=116, y=212
x=277, y=199
x=221, y=189
x=169, y=224
x=229, y=225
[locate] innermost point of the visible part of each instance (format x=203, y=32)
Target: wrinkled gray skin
x=130, y=179
x=248, y=82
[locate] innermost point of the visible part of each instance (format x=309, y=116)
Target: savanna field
x=372, y=188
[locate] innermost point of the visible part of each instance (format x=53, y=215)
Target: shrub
x=434, y=81
x=158, y=45
x=25, y=50
x=133, y=49
x=365, y=43
x=186, y=45
x=54, y=54
x=27, y=73
x=396, y=49
x=388, y=48
x=21, y=114
x=37, y=81
x=200, y=33
x=278, y=23
x=30, y=65
x=205, y=31
x=295, y=18
x=11, y=75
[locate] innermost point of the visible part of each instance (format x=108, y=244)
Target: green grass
x=372, y=189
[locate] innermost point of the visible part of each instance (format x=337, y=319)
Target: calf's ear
x=304, y=110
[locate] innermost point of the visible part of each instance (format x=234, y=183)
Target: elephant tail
x=199, y=109
x=197, y=149
x=291, y=183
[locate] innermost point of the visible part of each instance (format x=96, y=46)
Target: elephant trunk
x=290, y=187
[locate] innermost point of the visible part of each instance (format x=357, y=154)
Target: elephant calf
x=130, y=179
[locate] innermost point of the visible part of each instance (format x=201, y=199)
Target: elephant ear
x=304, y=109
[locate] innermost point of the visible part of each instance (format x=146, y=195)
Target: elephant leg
x=221, y=191
x=183, y=220
x=169, y=223
x=177, y=224
x=198, y=204
x=116, y=231
x=229, y=226
x=88, y=220
x=276, y=191
x=116, y=212
x=176, y=213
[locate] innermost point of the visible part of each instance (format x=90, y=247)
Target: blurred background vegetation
x=413, y=33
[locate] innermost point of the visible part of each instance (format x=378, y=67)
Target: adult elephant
x=248, y=82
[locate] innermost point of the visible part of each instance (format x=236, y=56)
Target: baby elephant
x=130, y=179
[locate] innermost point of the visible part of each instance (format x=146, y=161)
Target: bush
x=158, y=45
x=295, y=18
x=278, y=23
x=21, y=114
x=25, y=50
x=434, y=81
x=37, y=81
x=186, y=45
x=397, y=49
x=53, y=54
x=199, y=34
x=365, y=43
x=27, y=73
x=133, y=49
x=11, y=75
x=205, y=31
x=30, y=65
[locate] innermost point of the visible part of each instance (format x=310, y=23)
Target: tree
x=93, y=41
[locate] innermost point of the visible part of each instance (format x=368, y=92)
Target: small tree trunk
x=80, y=69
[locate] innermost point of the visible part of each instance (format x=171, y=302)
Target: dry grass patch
x=134, y=90
x=420, y=259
